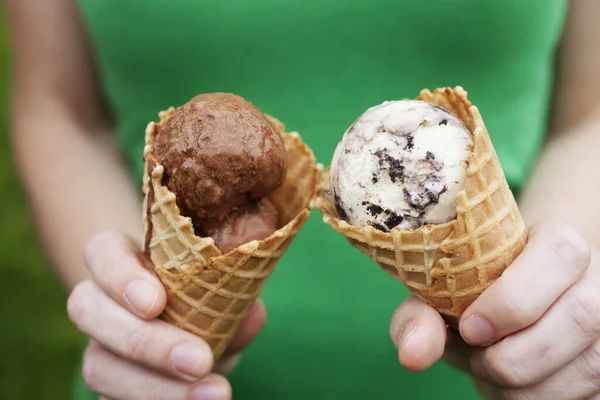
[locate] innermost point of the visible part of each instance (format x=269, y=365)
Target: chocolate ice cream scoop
x=253, y=221
x=220, y=154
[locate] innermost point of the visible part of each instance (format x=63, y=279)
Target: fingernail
x=209, y=391
x=477, y=331
x=142, y=296
x=190, y=361
x=227, y=364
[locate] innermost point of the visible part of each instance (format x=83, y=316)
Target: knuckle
x=162, y=390
x=91, y=368
x=569, y=246
x=590, y=365
x=508, y=368
x=159, y=391
x=585, y=310
x=522, y=313
x=138, y=343
x=97, y=244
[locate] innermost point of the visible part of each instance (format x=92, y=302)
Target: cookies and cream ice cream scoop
x=418, y=187
x=401, y=164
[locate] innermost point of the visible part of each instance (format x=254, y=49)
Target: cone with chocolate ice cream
x=212, y=282
x=447, y=264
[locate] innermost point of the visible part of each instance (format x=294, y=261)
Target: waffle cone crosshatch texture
x=450, y=264
x=208, y=292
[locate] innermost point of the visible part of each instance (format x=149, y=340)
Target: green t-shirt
x=317, y=65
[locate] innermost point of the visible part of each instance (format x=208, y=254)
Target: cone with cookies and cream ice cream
x=417, y=186
x=225, y=192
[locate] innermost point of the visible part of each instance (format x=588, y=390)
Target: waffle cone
x=208, y=292
x=449, y=265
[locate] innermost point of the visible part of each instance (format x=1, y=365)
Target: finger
x=249, y=327
x=419, y=333
x=155, y=343
x=111, y=376
x=485, y=389
x=578, y=380
x=227, y=363
x=113, y=261
x=457, y=352
x=554, y=259
x=568, y=328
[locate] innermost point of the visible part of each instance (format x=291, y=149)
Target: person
x=89, y=76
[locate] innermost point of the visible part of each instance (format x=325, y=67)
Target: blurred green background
x=38, y=345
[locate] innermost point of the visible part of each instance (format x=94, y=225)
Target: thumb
x=419, y=333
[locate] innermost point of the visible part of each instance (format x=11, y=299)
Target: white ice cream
x=400, y=164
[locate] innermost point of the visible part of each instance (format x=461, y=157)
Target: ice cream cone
x=449, y=265
x=209, y=293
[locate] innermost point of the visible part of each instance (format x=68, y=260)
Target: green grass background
x=38, y=345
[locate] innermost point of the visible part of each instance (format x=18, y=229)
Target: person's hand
x=133, y=355
x=534, y=334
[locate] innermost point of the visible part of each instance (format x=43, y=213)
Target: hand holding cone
x=208, y=292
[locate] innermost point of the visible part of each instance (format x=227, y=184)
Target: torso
x=317, y=65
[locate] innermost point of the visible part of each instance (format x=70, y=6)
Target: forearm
x=566, y=182
x=76, y=185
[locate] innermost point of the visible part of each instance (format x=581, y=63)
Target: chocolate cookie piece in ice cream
x=220, y=153
x=401, y=164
